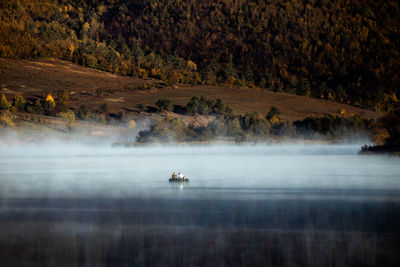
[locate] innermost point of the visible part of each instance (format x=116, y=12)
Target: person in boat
x=180, y=176
x=173, y=175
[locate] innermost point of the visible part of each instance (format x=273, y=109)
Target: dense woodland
x=346, y=51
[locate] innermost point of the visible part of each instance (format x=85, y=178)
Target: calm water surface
x=253, y=205
x=254, y=171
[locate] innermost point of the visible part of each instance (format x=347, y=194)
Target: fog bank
x=216, y=171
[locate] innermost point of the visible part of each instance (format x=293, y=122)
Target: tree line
x=225, y=122
x=250, y=126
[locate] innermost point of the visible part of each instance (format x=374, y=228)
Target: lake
x=246, y=205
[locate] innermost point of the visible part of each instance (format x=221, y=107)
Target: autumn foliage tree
x=18, y=103
x=4, y=104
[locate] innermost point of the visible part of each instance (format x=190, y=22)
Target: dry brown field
x=36, y=78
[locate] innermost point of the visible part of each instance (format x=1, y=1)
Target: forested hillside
x=346, y=51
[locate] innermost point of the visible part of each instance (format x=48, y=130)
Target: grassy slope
x=34, y=79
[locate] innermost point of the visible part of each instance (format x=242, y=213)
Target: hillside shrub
x=4, y=104
x=164, y=104
x=274, y=111
x=37, y=107
x=60, y=106
x=83, y=112
x=168, y=129
x=70, y=117
x=19, y=103
x=204, y=106
x=49, y=105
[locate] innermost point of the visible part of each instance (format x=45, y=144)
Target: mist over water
x=74, y=204
x=223, y=171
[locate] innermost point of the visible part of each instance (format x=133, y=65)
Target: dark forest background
x=345, y=51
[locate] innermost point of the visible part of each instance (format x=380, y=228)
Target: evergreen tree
x=37, y=107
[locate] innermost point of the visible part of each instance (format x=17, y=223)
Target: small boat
x=177, y=180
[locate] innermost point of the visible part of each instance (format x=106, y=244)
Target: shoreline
x=379, y=150
x=225, y=142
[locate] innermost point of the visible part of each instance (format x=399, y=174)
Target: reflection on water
x=290, y=205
